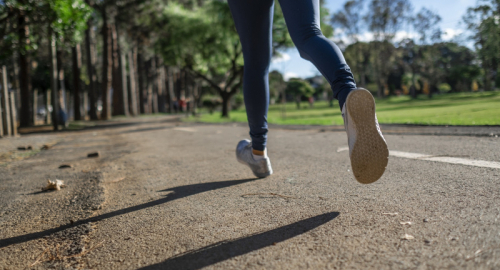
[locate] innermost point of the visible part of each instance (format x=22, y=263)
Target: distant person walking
x=253, y=19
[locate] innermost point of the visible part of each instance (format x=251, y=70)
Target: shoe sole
x=369, y=156
x=256, y=175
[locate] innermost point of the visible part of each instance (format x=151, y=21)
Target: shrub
x=211, y=103
x=444, y=87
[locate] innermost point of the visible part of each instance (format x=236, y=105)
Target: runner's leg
x=303, y=21
x=253, y=19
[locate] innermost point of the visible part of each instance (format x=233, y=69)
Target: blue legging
x=253, y=20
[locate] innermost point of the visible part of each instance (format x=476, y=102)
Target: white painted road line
x=185, y=129
x=451, y=160
x=342, y=149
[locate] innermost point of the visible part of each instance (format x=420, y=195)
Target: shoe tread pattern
x=369, y=156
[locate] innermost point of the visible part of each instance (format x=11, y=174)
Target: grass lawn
x=444, y=109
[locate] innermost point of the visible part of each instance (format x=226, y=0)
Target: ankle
x=257, y=152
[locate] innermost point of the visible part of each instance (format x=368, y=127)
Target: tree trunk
x=118, y=97
x=24, y=72
x=62, y=113
x=77, y=65
x=182, y=88
x=133, y=85
x=123, y=75
x=151, y=85
x=162, y=97
x=35, y=105
x=7, y=127
x=142, y=89
x=413, y=89
x=171, y=94
x=1, y=127
x=69, y=103
x=107, y=66
x=155, y=84
x=379, y=70
x=47, y=99
x=15, y=80
x=225, y=104
x=195, y=96
x=187, y=91
x=487, y=78
x=137, y=80
x=362, y=78
x=53, y=80
x=380, y=90
x=13, y=121
x=91, y=71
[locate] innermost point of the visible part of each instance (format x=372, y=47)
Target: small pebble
x=94, y=154
x=64, y=166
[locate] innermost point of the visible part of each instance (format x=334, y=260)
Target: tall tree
x=483, y=22
x=24, y=23
x=385, y=19
x=107, y=65
x=349, y=21
x=426, y=25
x=276, y=85
x=91, y=73
x=77, y=94
x=204, y=41
x=299, y=88
x=24, y=71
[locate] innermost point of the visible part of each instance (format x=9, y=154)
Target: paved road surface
x=167, y=195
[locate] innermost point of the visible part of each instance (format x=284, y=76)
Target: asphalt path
x=169, y=195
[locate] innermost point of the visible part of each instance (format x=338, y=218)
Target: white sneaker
x=260, y=168
x=367, y=147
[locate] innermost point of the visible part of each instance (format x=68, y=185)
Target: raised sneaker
x=367, y=146
x=260, y=167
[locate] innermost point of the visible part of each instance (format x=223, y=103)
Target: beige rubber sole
x=369, y=156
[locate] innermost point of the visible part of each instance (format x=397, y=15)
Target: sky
x=451, y=12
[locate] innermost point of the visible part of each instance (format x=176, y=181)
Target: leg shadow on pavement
x=222, y=251
x=176, y=193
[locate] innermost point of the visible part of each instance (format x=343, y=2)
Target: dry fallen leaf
x=54, y=185
x=406, y=223
x=407, y=237
x=117, y=180
x=46, y=147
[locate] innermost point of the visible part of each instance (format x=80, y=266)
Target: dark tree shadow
x=147, y=129
x=177, y=193
x=109, y=124
x=229, y=249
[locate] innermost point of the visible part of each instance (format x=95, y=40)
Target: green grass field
x=444, y=109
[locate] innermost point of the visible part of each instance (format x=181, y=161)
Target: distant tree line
x=92, y=59
x=421, y=62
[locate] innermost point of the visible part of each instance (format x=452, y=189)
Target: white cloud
x=400, y=35
x=450, y=33
x=289, y=75
x=366, y=37
x=282, y=58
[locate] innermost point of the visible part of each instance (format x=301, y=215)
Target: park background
x=68, y=64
